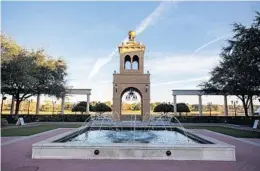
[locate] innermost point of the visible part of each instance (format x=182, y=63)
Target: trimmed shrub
x=49, y=118
x=238, y=120
x=167, y=107
x=101, y=108
x=4, y=122
x=82, y=107
x=164, y=108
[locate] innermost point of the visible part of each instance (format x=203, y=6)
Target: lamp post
x=3, y=98
x=209, y=106
x=235, y=107
x=28, y=109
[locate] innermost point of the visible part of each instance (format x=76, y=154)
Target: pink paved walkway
x=255, y=140
x=17, y=157
x=6, y=139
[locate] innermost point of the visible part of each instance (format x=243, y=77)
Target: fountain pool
x=126, y=142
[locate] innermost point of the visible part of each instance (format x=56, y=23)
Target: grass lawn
x=228, y=131
x=26, y=131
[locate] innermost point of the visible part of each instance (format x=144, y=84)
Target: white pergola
x=68, y=91
x=198, y=93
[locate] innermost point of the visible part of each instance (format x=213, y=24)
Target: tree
x=47, y=106
x=108, y=103
x=182, y=107
x=9, y=48
x=137, y=106
x=164, y=108
x=101, y=108
x=239, y=70
x=126, y=106
x=17, y=77
x=25, y=74
x=2, y=103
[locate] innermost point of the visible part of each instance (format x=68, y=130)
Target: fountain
x=114, y=140
x=107, y=137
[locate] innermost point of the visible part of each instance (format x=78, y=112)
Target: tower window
x=135, y=64
x=127, y=63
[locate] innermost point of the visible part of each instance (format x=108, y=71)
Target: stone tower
x=131, y=77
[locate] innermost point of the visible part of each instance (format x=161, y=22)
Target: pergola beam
x=69, y=91
x=198, y=93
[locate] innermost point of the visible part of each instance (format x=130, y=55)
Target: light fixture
x=131, y=95
x=116, y=87
x=146, y=88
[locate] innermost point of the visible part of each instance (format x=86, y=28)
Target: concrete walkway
x=32, y=124
x=8, y=139
x=139, y=123
x=17, y=157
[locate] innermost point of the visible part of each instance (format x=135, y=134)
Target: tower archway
x=131, y=102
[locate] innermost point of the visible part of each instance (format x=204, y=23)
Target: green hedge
x=238, y=120
x=4, y=122
x=48, y=118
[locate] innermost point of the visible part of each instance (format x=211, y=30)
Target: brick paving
x=17, y=157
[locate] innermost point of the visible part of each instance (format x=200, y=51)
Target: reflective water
x=129, y=136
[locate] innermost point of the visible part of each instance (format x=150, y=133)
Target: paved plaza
x=17, y=151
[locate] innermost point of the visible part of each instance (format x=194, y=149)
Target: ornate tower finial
x=131, y=35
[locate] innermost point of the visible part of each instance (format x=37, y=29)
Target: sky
x=183, y=39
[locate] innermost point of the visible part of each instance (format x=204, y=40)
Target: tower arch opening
x=127, y=62
x=135, y=64
x=131, y=102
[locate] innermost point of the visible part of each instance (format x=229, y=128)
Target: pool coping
x=219, y=150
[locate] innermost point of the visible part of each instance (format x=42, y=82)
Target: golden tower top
x=131, y=45
x=131, y=35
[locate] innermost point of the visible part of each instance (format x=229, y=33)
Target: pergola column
x=88, y=100
x=225, y=105
x=175, y=104
x=12, y=106
x=38, y=104
x=200, y=105
x=62, y=104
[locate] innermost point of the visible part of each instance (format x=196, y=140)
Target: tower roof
x=131, y=45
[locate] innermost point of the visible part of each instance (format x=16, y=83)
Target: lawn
x=228, y=131
x=26, y=131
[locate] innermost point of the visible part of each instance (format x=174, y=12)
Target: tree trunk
x=2, y=106
x=251, y=105
x=12, y=106
x=17, y=106
x=245, y=108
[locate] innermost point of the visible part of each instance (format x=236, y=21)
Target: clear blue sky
x=83, y=32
